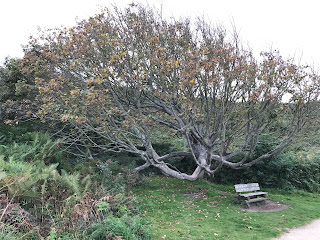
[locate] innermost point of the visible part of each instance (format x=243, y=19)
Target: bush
x=297, y=167
x=129, y=228
x=25, y=180
x=33, y=146
x=287, y=171
x=116, y=172
x=36, y=196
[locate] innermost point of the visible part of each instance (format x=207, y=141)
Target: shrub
x=23, y=179
x=70, y=203
x=7, y=234
x=129, y=228
x=34, y=146
x=117, y=176
x=287, y=171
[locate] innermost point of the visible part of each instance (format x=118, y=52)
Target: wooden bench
x=249, y=193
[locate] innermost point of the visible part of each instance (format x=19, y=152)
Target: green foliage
x=103, y=206
x=10, y=134
x=185, y=164
x=36, y=146
x=79, y=186
x=7, y=234
x=288, y=171
x=116, y=172
x=17, y=92
x=70, y=202
x=54, y=235
x=129, y=228
x=32, y=146
x=291, y=171
x=24, y=173
x=296, y=168
x=23, y=179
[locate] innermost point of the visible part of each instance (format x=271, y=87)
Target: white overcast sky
x=292, y=26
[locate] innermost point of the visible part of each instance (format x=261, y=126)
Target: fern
x=72, y=181
x=24, y=179
x=86, y=183
x=2, y=138
x=40, y=148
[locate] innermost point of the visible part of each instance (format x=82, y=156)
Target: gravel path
x=307, y=232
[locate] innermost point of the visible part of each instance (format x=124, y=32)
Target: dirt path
x=307, y=232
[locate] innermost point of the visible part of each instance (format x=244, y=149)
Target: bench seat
x=256, y=199
x=246, y=195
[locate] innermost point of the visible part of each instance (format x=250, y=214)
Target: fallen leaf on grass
x=113, y=237
x=222, y=196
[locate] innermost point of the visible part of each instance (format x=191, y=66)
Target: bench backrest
x=250, y=187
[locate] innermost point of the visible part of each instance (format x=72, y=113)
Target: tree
x=124, y=80
x=17, y=92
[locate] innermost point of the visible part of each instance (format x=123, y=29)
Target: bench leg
x=247, y=202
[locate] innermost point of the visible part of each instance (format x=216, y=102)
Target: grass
x=175, y=212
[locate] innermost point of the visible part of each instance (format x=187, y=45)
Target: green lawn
x=175, y=213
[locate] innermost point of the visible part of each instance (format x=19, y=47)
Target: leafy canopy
x=126, y=79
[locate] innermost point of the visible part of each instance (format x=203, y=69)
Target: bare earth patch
x=199, y=193
x=269, y=206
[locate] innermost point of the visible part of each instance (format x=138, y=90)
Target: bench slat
x=255, y=200
x=253, y=194
x=250, y=187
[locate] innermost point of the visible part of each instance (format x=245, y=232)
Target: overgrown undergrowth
x=40, y=201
